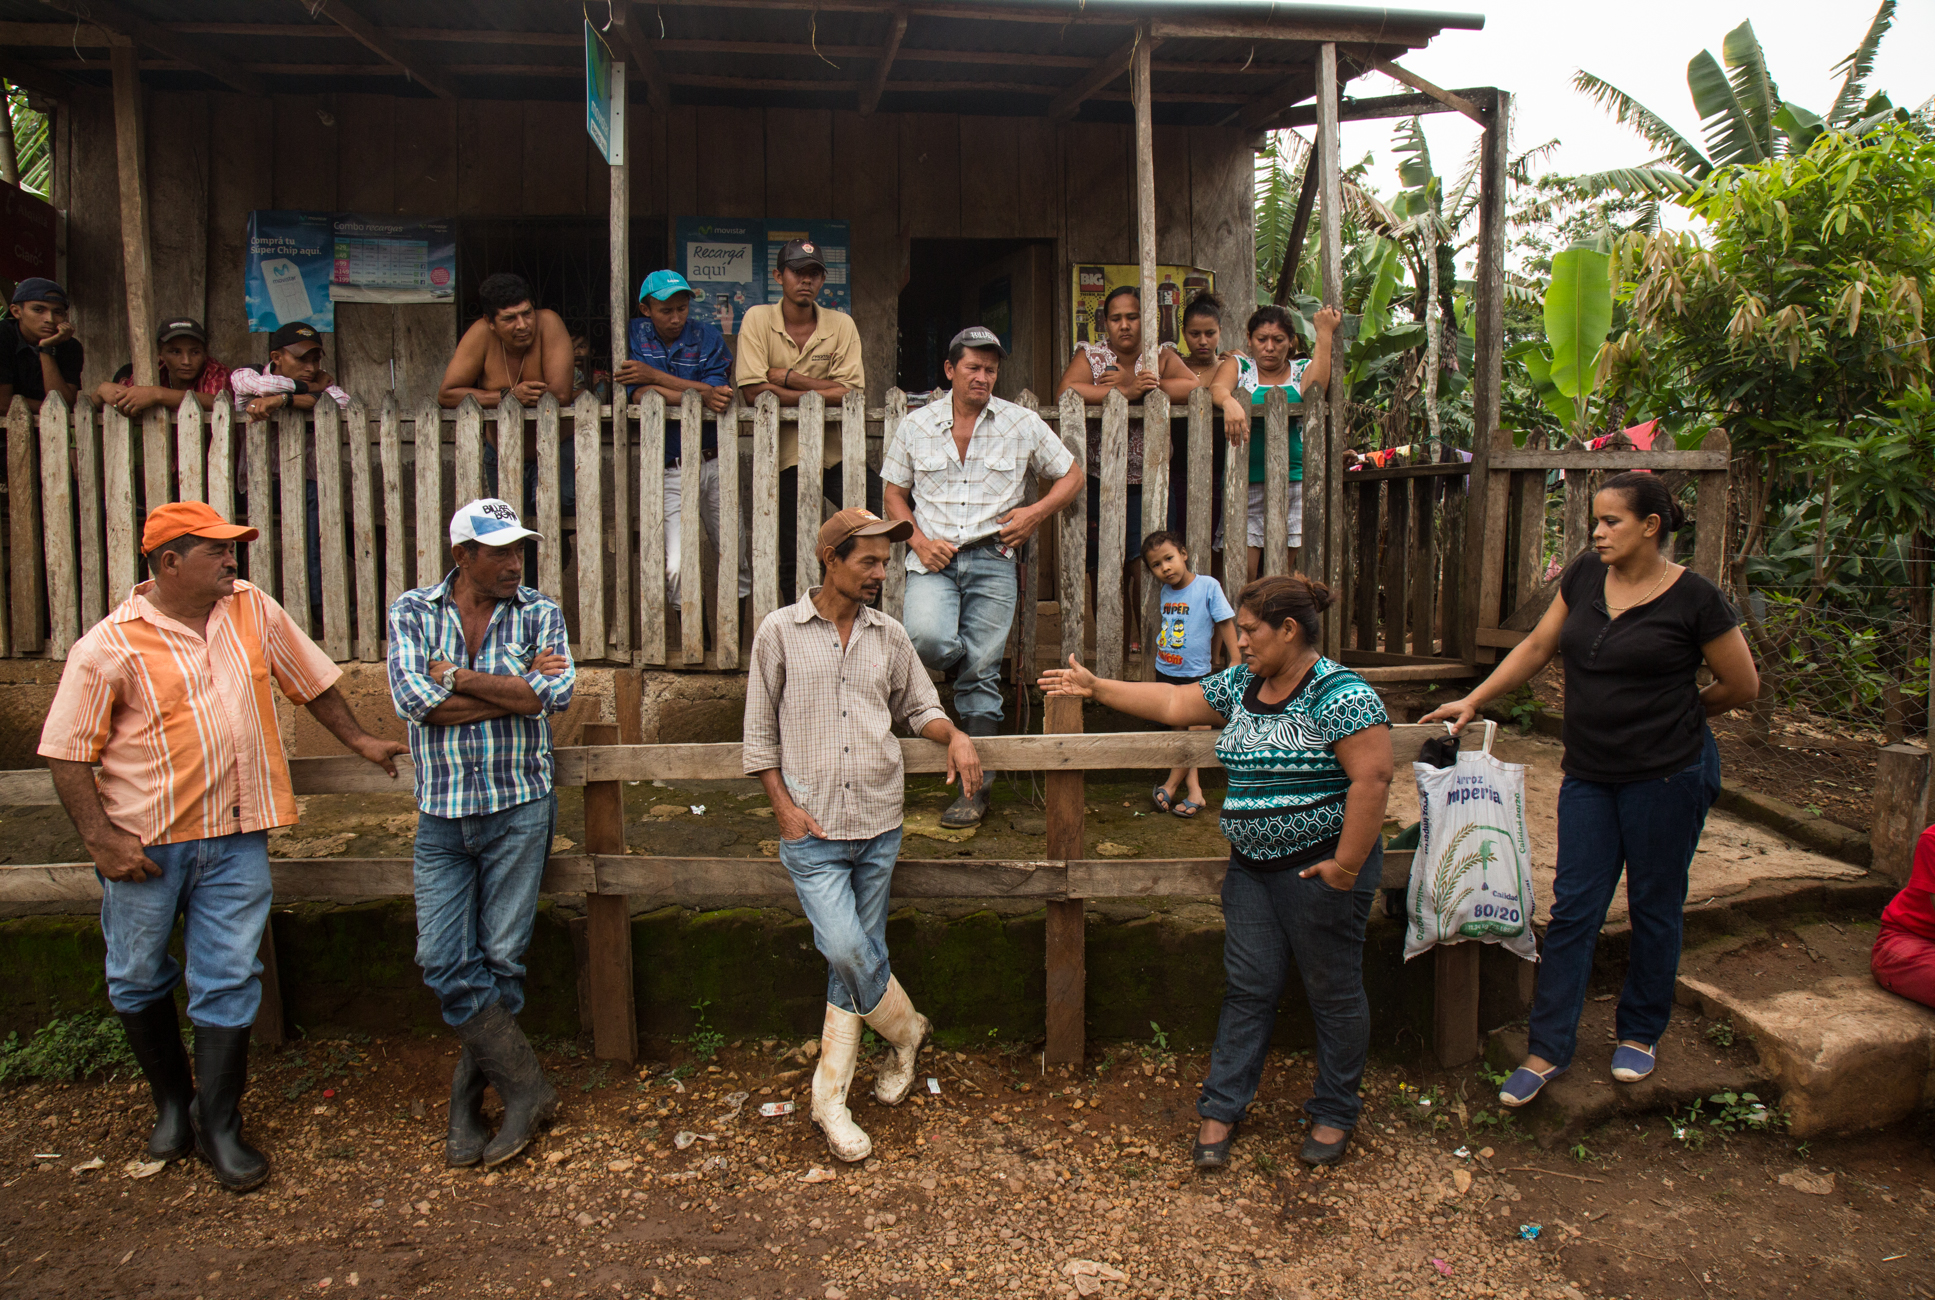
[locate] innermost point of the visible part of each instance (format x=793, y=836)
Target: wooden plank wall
x=214, y=157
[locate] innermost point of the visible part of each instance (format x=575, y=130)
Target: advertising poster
x=28, y=235
x=604, y=117
x=1175, y=286
x=721, y=259
x=832, y=239
x=392, y=259
x=290, y=261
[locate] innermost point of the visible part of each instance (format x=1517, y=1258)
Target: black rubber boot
x=222, y=1070
x=468, y=1133
x=968, y=809
x=506, y=1059
x=155, y=1037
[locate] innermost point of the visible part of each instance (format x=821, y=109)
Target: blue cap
x=38, y=289
x=662, y=285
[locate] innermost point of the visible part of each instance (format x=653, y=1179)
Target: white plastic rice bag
x=1472, y=875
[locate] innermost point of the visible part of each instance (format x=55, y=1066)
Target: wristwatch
x=449, y=679
x=47, y=349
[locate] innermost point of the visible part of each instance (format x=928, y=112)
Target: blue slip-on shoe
x=1525, y=1084
x=1631, y=1064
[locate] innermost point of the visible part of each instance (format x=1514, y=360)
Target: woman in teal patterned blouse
x=1307, y=748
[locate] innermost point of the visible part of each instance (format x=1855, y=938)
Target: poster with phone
x=1175, y=286
x=721, y=259
x=392, y=259
x=291, y=257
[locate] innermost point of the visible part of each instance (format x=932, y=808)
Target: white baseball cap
x=490, y=521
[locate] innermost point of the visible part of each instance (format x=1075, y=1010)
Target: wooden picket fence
x=79, y=482
x=609, y=877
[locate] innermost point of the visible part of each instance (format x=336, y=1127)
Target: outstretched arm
x=1520, y=667
x=1173, y=706
x=332, y=710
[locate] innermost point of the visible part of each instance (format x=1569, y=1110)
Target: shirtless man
x=514, y=348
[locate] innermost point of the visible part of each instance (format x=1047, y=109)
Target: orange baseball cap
x=182, y=518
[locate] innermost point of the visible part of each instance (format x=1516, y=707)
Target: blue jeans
x=477, y=893
x=1271, y=918
x=220, y=889
x=843, y=886
x=959, y=618
x=1650, y=829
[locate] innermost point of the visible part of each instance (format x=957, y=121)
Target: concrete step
x=1845, y=1054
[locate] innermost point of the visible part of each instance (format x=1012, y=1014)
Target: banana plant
x=1742, y=115
x=1564, y=368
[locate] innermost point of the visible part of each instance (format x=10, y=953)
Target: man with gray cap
x=957, y=471
x=38, y=351
x=830, y=677
x=476, y=664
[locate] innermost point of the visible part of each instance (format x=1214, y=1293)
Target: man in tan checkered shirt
x=830, y=678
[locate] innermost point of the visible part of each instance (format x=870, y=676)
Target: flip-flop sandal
x=1631, y=1064
x=1525, y=1084
x=1186, y=809
x=1162, y=798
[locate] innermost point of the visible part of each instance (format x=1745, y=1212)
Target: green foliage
x=33, y=155
x=704, y=1041
x=68, y=1047
x=1578, y=312
x=1720, y=1033
x=1156, y=1036
x=1743, y=117
x=1732, y=1112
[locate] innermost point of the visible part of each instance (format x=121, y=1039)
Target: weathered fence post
x=1454, y=1013
x=1067, y=962
x=608, y=920
x=57, y=534
x=1901, y=783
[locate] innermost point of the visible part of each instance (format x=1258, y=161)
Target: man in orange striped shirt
x=170, y=695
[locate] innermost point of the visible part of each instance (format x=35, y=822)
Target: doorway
x=1004, y=284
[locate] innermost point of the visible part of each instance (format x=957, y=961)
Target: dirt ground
x=1011, y=1180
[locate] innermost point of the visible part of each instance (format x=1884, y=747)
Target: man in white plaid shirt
x=957, y=469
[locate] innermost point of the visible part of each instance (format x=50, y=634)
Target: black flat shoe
x=1211, y=1156
x=1324, y=1153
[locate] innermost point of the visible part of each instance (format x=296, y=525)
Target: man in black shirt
x=38, y=350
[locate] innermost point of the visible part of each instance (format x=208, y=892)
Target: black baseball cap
x=800, y=254
x=37, y=288
x=294, y=332
x=181, y=327
x=977, y=336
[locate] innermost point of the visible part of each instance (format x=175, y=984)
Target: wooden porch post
x=1067, y=959
x=608, y=930
x=1322, y=446
x=1484, y=506
x=1145, y=195
x=621, y=311
x=138, y=266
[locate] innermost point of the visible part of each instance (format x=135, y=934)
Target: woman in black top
x=1641, y=769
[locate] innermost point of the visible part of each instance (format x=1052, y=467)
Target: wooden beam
x=608, y=977
x=1263, y=110
x=1449, y=98
x=108, y=14
x=136, y=262
x=1375, y=107
x=1067, y=958
x=644, y=59
x=1484, y=515
x=1377, y=26
x=1107, y=69
x=60, y=36
x=382, y=44
x=870, y=97
x=34, y=77
x=1322, y=446
x=1704, y=459
x=1299, y=228
x=1145, y=197
x=1454, y=1015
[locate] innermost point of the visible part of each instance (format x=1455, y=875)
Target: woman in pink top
x=1904, y=955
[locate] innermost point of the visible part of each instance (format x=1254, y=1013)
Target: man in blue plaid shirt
x=476, y=664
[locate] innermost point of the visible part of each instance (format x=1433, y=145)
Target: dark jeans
x=1269, y=919
x=1649, y=830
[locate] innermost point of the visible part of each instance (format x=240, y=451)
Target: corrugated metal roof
x=979, y=56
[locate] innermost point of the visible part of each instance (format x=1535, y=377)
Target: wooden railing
x=80, y=481
x=609, y=876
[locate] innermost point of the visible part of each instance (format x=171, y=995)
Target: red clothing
x=1904, y=964
x=1913, y=909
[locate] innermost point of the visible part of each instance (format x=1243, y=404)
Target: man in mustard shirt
x=790, y=349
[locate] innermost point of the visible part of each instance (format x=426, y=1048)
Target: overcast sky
x=1532, y=48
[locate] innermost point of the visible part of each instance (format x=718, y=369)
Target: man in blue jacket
x=670, y=353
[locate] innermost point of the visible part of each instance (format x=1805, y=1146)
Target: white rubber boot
x=839, y=1052
x=906, y=1031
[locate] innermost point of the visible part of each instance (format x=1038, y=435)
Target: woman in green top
x=1239, y=388
x=1307, y=746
